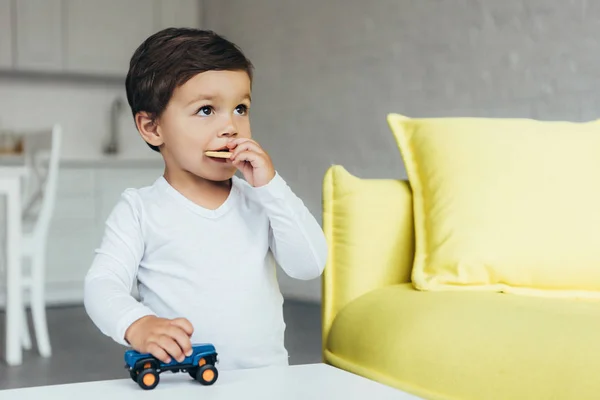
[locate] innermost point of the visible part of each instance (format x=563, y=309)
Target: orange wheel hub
x=149, y=380
x=208, y=375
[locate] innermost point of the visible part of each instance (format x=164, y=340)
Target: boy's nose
x=228, y=130
x=228, y=133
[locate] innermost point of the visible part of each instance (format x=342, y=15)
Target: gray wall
x=328, y=72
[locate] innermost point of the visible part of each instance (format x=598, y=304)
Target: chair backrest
x=42, y=158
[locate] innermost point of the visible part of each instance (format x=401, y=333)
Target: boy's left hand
x=252, y=160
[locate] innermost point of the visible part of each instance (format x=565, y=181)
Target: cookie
x=218, y=154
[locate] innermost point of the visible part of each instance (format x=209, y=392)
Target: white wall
x=328, y=72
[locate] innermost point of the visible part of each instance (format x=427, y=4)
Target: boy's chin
x=218, y=176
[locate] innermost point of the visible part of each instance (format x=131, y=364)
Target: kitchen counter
x=113, y=162
x=116, y=161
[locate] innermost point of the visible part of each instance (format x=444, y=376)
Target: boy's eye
x=241, y=109
x=204, y=111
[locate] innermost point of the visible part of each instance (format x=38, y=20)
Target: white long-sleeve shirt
x=214, y=267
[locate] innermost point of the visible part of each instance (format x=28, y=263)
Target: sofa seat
x=470, y=345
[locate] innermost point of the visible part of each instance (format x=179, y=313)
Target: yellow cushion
x=365, y=221
x=470, y=345
x=504, y=204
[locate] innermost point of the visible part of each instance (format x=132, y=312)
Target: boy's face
x=204, y=114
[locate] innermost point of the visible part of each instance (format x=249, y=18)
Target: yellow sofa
x=439, y=344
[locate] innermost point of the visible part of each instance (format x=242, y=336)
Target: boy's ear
x=148, y=127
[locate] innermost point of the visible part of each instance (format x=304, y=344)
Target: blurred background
x=327, y=73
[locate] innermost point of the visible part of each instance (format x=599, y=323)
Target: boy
x=200, y=243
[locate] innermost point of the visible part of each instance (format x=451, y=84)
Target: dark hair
x=169, y=58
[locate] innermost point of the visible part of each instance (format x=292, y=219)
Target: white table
x=10, y=186
x=311, y=381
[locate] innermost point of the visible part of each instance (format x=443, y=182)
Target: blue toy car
x=145, y=369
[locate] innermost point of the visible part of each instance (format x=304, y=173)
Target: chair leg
x=38, y=304
x=25, y=336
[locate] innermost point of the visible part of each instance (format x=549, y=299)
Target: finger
x=158, y=352
x=246, y=150
x=247, y=156
x=182, y=339
x=171, y=347
x=233, y=143
x=239, y=149
x=247, y=146
x=236, y=142
x=184, y=324
x=241, y=165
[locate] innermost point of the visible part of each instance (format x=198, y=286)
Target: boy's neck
x=205, y=193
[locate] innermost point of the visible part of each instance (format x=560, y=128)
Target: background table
x=10, y=186
x=311, y=381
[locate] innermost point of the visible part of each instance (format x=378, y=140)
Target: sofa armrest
x=368, y=224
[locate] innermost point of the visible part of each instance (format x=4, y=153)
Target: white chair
x=42, y=156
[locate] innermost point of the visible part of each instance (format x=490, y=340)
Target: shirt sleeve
x=297, y=240
x=108, y=298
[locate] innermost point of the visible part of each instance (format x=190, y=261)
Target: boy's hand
x=163, y=338
x=252, y=160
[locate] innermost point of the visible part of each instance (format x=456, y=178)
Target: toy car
x=145, y=369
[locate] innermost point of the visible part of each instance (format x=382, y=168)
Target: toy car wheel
x=193, y=371
x=133, y=375
x=148, y=379
x=145, y=364
x=207, y=374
